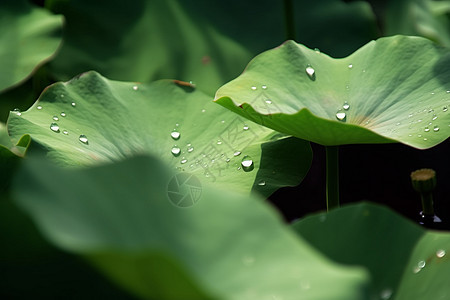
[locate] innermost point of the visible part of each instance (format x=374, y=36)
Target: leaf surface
x=395, y=89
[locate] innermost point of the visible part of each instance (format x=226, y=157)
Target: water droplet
x=420, y=120
x=247, y=163
x=444, y=108
x=39, y=107
x=317, y=50
x=364, y=71
x=203, y=110
x=268, y=101
x=253, y=88
x=311, y=72
x=17, y=111
x=237, y=153
x=410, y=115
x=73, y=104
x=346, y=106
x=84, y=139
x=190, y=148
x=246, y=127
x=65, y=132
x=340, y=115
x=350, y=66
x=264, y=87
x=386, y=294
x=183, y=160
x=223, y=121
x=448, y=92
x=175, y=134
x=436, y=128
x=135, y=87
x=227, y=160
x=63, y=114
x=62, y=95
x=248, y=260
x=54, y=127
x=398, y=123
x=426, y=129
x=219, y=142
x=434, y=117
x=421, y=264
x=440, y=253
x=425, y=139
x=432, y=93
x=55, y=118
x=175, y=151
x=262, y=182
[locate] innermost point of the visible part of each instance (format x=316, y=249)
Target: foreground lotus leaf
x=406, y=262
x=91, y=120
x=226, y=246
x=29, y=36
x=395, y=89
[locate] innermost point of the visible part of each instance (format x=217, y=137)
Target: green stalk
x=332, y=165
x=289, y=18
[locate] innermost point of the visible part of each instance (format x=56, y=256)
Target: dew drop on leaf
x=444, y=109
x=346, y=106
x=63, y=114
x=65, y=132
x=55, y=118
x=247, y=163
x=73, y=104
x=268, y=101
x=440, y=253
x=436, y=128
x=175, y=151
x=83, y=139
x=310, y=72
x=39, y=107
x=183, y=160
x=264, y=87
x=135, y=87
x=262, y=183
x=350, y=66
x=175, y=135
x=253, y=88
x=426, y=129
x=54, y=127
x=434, y=117
x=246, y=127
x=17, y=111
x=237, y=153
x=340, y=115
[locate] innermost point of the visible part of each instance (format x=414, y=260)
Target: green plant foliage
x=170, y=119
x=428, y=18
x=404, y=260
x=29, y=36
x=395, y=89
x=143, y=41
x=226, y=246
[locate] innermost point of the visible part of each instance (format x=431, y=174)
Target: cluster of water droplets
x=440, y=253
x=55, y=127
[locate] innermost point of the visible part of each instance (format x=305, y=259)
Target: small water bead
x=223, y=121
x=55, y=118
x=39, y=107
x=63, y=114
x=350, y=66
x=264, y=87
x=135, y=87
x=445, y=109
x=247, y=163
x=54, y=127
x=203, y=110
x=253, y=88
x=440, y=253
x=219, y=142
x=268, y=101
x=262, y=183
x=427, y=129
x=340, y=115
x=434, y=117
x=227, y=160
x=17, y=111
x=65, y=132
x=175, y=151
x=317, y=50
x=310, y=71
x=73, y=104
x=346, y=106
x=386, y=294
x=246, y=127
x=83, y=139
x=436, y=128
x=175, y=135
x=62, y=95
x=237, y=153
x=190, y=148
x=183, y=160
x=425, y=139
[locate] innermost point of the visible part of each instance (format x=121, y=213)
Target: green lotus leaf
x=395, y=89
x=29, y=36
x=122, y=217
x=144, y=41
x=428, y=18
x=91, y=119
x=405, y=261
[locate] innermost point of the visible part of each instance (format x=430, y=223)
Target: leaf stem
x=332, y=176
x=289, y=19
